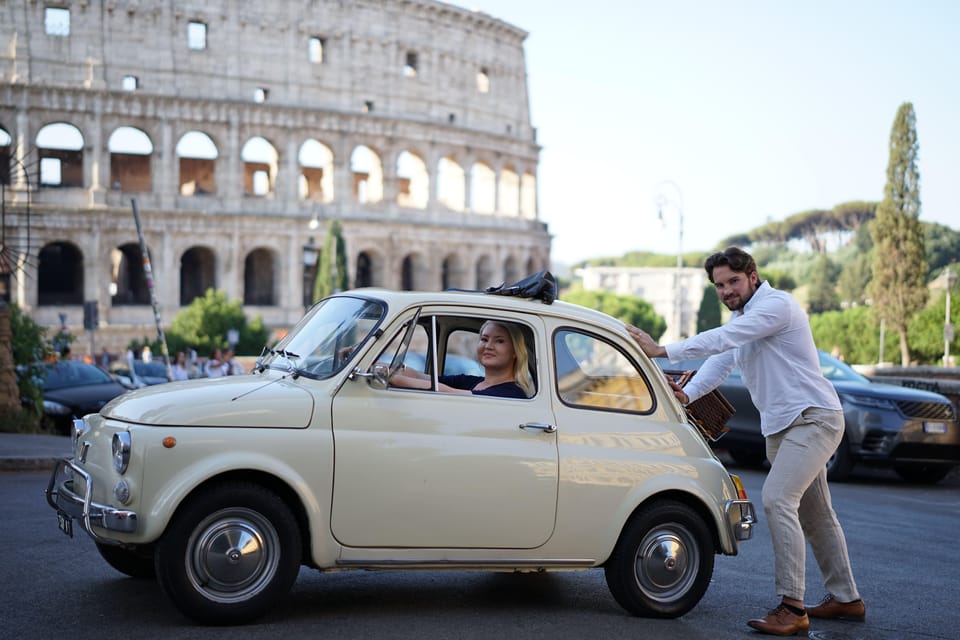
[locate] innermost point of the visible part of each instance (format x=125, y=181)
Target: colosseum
x=239, y=137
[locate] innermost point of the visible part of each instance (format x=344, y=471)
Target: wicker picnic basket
x=709, y=413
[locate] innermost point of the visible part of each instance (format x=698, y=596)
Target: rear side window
x=594, y=374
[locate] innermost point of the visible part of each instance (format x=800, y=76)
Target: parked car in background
x=72, y=389
x=915, y=432
x=143, y=373
x=223, y=488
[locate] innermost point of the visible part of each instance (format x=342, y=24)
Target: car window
x=595, y=374
x=153, y=369
x=454, y=340
x=60, y=375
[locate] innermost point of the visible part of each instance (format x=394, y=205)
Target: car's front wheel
x=663, y=561
x=230, y=554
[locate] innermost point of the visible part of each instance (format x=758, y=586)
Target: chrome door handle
x=546, y=428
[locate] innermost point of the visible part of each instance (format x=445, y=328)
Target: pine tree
x=331, y=264
x=898, y=288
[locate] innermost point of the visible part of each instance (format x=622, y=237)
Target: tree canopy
x=204, y=325
x=628, y=309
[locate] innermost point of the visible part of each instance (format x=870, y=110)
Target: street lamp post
x=310, y=254
x=663, y=200
x=950, y=279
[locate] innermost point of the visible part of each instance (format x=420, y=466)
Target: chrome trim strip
x=63, y=498
x=506, y=563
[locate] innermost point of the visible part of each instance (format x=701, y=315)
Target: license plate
x=65, y=523
x=934, y=427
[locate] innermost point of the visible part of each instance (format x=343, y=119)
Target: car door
x=420, y=469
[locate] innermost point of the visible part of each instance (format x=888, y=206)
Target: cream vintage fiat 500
x=222, y=488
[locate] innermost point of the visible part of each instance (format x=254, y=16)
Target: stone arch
x=367, y=171
x=130, y=150
x=528, y=196
x=59, y=274
x=260, y=163
x=413, y=273
x=451, y=184
x=509, y=192
x=413, y=181
x=511, y=270
x=197, y=273
x=316, y=171
x=453, y=275
x=484, y=273
x=260, y=277
x=483, y=188
x=128, y=282
x=197, y=156
x=60, y=149
x=531, y=266
x=369, y=269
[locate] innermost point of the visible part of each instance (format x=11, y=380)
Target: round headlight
x=121, y=451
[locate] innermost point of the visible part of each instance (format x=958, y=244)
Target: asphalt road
x=902, y=538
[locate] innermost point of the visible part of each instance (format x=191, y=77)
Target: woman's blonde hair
x=521, y=363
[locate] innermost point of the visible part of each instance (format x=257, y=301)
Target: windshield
x=835, y=369
x=59, y=375
x=327, y=337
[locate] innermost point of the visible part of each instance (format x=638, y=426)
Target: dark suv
x=913, y=431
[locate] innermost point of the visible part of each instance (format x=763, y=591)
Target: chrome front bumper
x=90, y=514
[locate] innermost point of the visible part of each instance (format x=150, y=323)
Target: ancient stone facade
x=240, y=130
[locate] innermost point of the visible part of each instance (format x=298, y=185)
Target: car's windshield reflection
x=324, y=341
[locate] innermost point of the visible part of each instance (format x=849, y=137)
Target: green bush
x=29, y=345
x=204, y=325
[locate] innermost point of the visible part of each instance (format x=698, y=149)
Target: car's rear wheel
x=663, y=561
x=136, y=563
x=923, y=473
x=841, y=462
x=230, y=554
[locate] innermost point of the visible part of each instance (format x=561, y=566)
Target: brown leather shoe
x=782, y=622
x=832, y=609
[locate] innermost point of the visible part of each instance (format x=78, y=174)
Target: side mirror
x=379, y=375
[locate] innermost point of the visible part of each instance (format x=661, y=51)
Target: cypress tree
x=331, y=264
x=709, y=314
x=898, y=288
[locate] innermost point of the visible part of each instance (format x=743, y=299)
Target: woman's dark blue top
x=468, y=382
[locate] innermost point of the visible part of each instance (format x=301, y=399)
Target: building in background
x=240, y=132
x=657, y=285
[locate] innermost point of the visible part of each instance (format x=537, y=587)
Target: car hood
x=889, y=391
x=232, y=401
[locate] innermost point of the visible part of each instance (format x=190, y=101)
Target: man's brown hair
x=734, y=257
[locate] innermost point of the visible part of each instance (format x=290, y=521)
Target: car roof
x=486, y=301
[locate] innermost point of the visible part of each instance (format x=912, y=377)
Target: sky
x=731, y=114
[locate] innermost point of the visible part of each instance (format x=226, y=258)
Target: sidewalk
x=29, y=452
